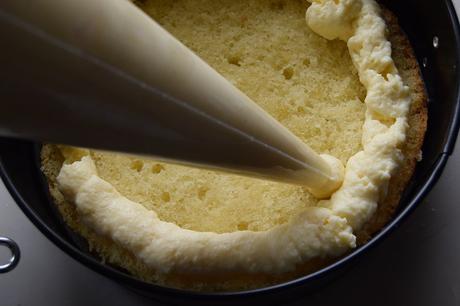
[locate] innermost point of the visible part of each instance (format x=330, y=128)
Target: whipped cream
x=320, y=231
x=367, y=173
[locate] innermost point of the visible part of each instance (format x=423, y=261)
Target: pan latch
x=14, y=257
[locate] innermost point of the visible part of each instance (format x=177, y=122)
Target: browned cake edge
x=112, y=253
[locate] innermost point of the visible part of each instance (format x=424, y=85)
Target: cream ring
x=318, y=231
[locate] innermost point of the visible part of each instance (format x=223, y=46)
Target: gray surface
x=419, y=264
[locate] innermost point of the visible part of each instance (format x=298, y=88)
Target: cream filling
x=318, y=231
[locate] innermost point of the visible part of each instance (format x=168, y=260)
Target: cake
x=308, y=82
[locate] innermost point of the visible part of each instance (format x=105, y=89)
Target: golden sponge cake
x=306, y=82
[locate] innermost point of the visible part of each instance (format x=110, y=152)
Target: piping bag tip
x=337, y=173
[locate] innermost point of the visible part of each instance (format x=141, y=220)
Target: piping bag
x=102, y=74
